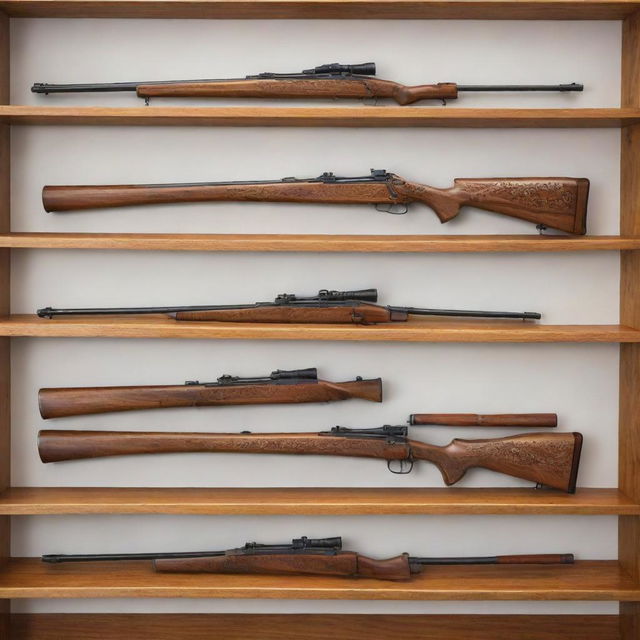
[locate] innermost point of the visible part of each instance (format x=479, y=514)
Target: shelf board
x=333, y=9
x=311, y=501
x=367, y=116
x=291, y=626
x=318, y=243
x=416, y=330
x=585, y=580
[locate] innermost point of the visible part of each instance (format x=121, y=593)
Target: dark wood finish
x=327, y=9
x=559, y=203
x=76, y=401
x=136, y=626
x=584, y=580
x=346, y=564
x=359, y=313
x=484, y=420
x=548, y=458
x=329, y=88
x=629, y=421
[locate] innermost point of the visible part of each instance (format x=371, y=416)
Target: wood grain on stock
x=550, y=459
x=302, y=88
x=483, y=420
x=357, y=314
x=559, y=203
x=75, y=401
x=346, y=564
x=56, y=446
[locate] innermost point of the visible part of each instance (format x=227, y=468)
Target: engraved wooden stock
x=480, y=420
x=57, y=446
x=77, y=401
x=357, y=314
x=558, y=203
x=310, y=88
x=344, y=563
x=550, y=459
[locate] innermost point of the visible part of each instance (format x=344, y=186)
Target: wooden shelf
x=585, y=580
x=416, y=330
x=311, y=501
x=291, y=626
x=309, y=9
x=317, y=243
x=320, y=117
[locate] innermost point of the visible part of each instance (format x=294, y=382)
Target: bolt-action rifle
x=328, y=307
x=549, y=459
x=279, y=387
x=330, y=81
x=557, y=203
x=304, y=556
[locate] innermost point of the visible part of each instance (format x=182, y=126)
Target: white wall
x=578, y=381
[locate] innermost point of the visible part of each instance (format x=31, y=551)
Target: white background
x=578, y=381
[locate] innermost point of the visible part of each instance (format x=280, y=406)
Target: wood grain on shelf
x=311, y=9
x=5, y=288
x=318, y=243
x=312, y=501
x=417, y=330
x=629, y=420
x=319, y=116
x=242, y=626
x=584, y=580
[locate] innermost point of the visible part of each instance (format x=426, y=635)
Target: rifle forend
x=281, y=387
x=549, y=459
x=558, y=203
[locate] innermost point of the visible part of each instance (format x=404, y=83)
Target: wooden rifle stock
x=544, y=458
x=346, y=564
x=558, y=203
x=480, y=420
x=76, y=401
x=282, y=88
x=358, y=313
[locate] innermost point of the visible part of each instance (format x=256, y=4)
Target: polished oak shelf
x=360, y=116
x=584, y=580
x=311, y=501
x=416, y=330
x=332, y=9
x=318, y=243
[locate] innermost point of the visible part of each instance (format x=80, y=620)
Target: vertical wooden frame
x=629, y=425
x=5, y=398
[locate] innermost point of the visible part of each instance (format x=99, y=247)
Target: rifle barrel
x=574, y=86
x=462, y=313
x=545, y=558
x=54, y=558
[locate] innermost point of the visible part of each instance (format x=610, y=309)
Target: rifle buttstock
x=557, y=203
x=549, y=459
